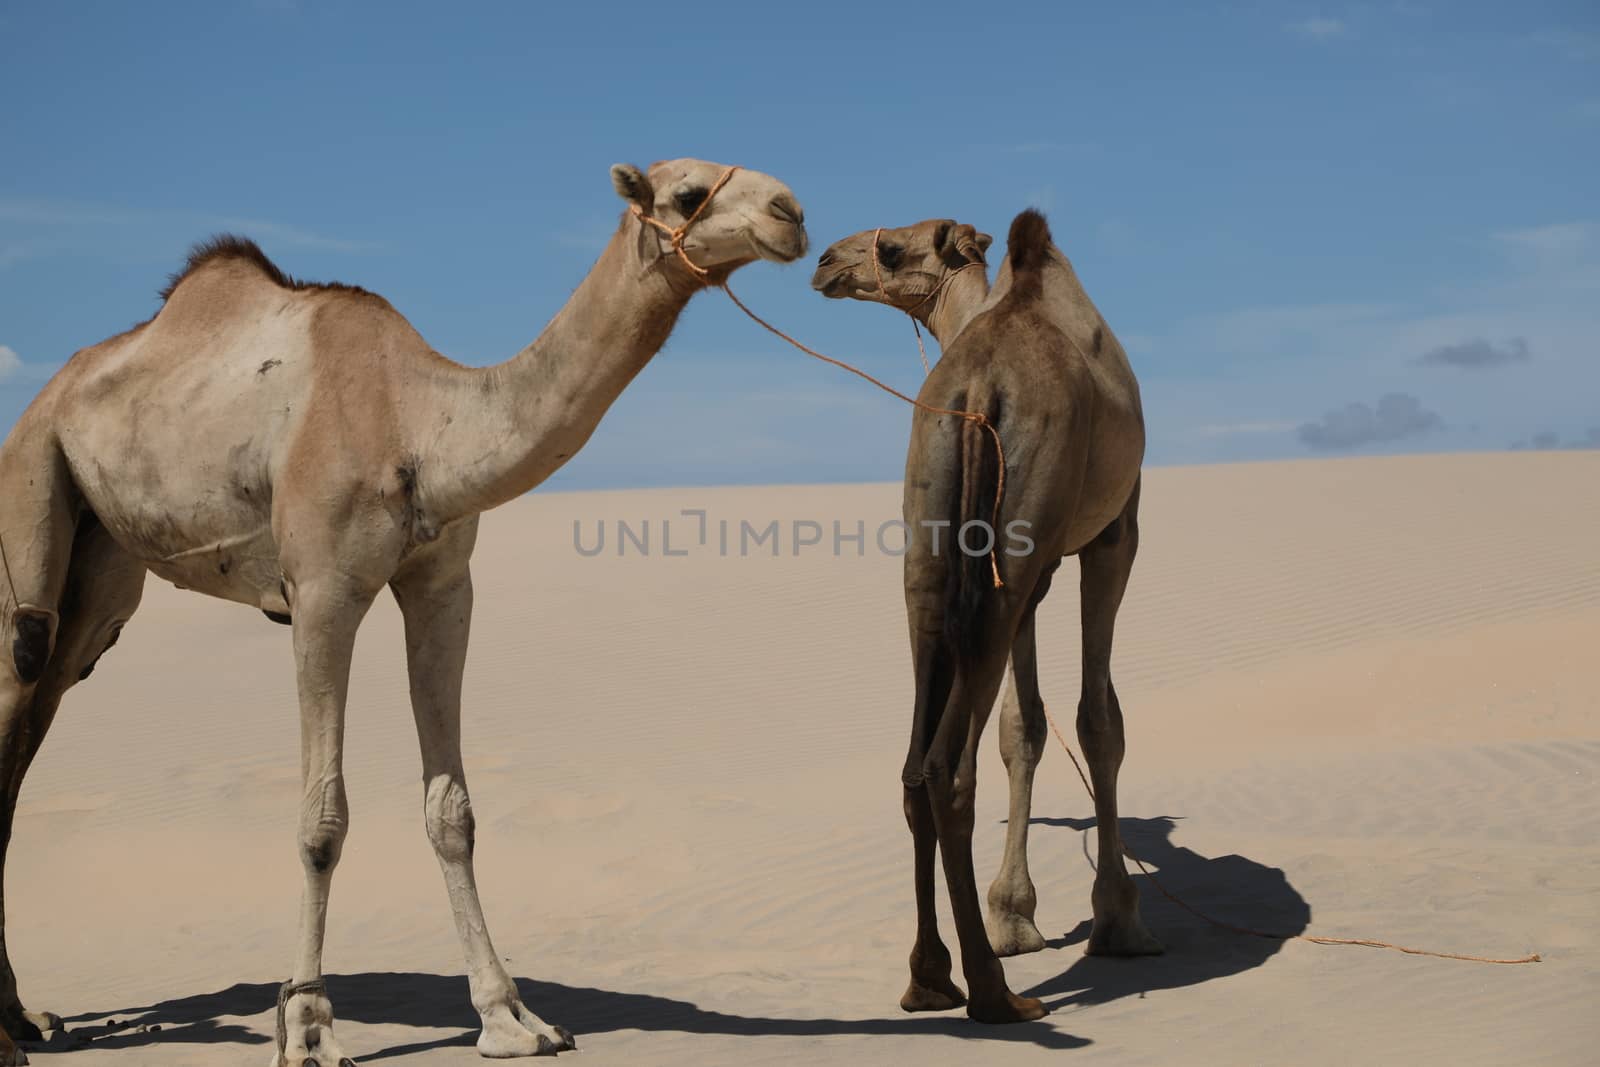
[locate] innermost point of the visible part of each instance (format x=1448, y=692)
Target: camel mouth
x=830, y=282
x=791, y=250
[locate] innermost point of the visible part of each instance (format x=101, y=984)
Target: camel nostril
x=825, y=260
x=784, y=207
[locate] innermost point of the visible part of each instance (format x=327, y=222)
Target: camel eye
x=890, y=255
x=689, y=199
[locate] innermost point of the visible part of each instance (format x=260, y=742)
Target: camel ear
x=960, y=244
x=631, y=184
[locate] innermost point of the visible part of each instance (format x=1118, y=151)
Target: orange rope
x=1197, y=913
x=675, y=237
x=876, y=273
x=977, y=417
x=944, y=279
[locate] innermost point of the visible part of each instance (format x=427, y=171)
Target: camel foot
x=24, y=1025
x=310, y=1043
x=512, y=1030
x=317, y=1058
x=1125, y=937
x=1007, y=1007
x=1011, y=934
x=932, y=995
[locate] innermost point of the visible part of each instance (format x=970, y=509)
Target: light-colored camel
x=298, y=448
x=1042, y=365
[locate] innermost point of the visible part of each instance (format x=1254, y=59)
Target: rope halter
x=677, y=234
x=945, y=277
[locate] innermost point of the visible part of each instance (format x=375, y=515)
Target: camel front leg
x=327, y=613
x=1106, y=563
x=437, y=606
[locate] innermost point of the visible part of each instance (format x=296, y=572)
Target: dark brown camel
x=1040, y=363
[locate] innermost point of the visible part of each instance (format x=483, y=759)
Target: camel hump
x=1028, y=243
x=226, y=246
x=229, y=246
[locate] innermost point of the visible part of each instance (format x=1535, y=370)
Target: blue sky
x=1318, y=229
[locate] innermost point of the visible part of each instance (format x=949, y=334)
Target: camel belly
x=243, y=568
x=199, y=528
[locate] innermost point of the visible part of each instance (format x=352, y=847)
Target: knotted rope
x=938, y=288
x=676, y=236
x=1197, y=913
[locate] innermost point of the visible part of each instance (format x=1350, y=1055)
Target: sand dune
x=1362, y=701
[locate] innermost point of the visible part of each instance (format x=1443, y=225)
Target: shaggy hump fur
x=232, y=246
x=1028, y=243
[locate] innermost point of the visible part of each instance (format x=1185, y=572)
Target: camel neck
x=960, y=298
x=516, y=423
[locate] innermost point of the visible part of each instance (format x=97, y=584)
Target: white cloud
x=1278, y=331
x=1230, y=429
x=68, y=226
x=1559, y=256
x=1255, y=365
x=1396, y=416
x=1071, y=148
x=1578, y=45
x=286, y=235
x=1476, y=354
x=14, y=370
x=1558, y=239
x=1319, y=28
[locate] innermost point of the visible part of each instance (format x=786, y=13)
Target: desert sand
x=1363, y=699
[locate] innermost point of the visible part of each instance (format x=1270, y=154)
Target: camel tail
x=1028, y=248
x=971, y=589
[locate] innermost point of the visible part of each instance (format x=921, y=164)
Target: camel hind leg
x=101, y=591
x=1105, y=564
x=931, y=987
x=38, y=514
x=1012, y=898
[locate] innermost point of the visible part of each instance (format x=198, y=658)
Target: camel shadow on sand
x=441, y=1002
x=1231, y=888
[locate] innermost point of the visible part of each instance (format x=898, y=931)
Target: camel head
x=912, y=262
x=752, y=216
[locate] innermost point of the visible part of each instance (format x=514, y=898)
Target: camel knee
x=1021, y=738
x=322, y=843
x=1100, y=729
x=32, y=642
x=451, y=827
x=953, y=789
x=1012, y=891
x=912, y=804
